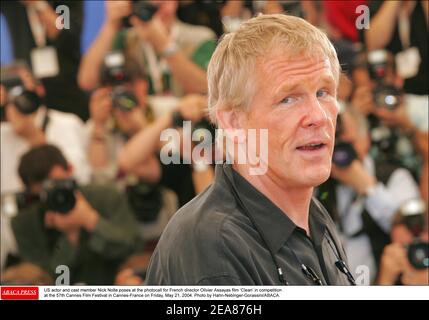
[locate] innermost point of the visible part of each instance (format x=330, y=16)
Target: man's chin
x=317, y=176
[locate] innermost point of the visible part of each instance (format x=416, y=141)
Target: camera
x=114, y=73
x=385, y=95
x=57, y=195
x=145, y=199
x=26, y=101
x=344, y=153
x=412, y=215
x=144, y=10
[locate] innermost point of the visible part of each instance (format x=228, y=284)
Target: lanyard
x=157, y=68
x=37, y=28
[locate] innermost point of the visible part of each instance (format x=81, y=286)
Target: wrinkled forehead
x=279, y=68
x=281, y=60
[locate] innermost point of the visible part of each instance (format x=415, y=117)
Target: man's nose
x=316, y=114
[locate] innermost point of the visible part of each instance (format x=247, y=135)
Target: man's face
x=56, y=173
x=295, y=100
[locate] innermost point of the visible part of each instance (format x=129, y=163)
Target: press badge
x=408, y=62
x=45, y=62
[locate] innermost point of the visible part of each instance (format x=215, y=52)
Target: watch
x=169, y=50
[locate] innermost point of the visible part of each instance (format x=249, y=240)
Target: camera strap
x=45, y=121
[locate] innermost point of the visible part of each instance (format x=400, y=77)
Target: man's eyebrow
x=327, y=79
x=293, y=85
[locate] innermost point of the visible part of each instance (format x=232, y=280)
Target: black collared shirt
x=212, y=241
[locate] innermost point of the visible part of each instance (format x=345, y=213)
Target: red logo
x=19, y=293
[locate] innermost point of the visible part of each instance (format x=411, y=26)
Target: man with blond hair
x=275, y=74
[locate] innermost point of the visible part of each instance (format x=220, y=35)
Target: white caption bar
x=231, y=293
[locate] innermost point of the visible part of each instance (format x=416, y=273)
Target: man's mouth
x=311, y=146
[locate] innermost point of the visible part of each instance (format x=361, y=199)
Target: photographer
x=405, y=261
x=401, y=28
x=399, y=122
x=174, y=53
x=52, y=52
x=119, y=110
x=90, y=228
x=29, y=123
x=363, y=194
x=147, y=142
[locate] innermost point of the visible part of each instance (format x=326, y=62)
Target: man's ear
x=227, y=119
x=230, y=121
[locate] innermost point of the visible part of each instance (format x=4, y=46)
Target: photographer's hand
x=414, y=277
x=397, y=117
x=191, y=77
x=116, y=11
x=355, y=176
x=363, y=100
x=100, y=107
x=82, y=215
x=193, y=107
x=90, y=65
x=154, y=31
x=393, y=262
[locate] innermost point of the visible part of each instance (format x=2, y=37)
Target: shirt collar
x=273, y=224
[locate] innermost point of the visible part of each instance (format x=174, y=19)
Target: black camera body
x=344, y=152
x=144, y=10
x=412, y=215
x=418, y=254
x=59, y=195
x=114, y=73
x=385, y=95
x=26, y=101
x=145, y=200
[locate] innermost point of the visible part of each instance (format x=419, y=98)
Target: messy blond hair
x=230, y=72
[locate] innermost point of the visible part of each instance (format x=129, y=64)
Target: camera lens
x=418, y=254
x=344, y=154
x=58, y=195
x=27, y=102
x=123, y=99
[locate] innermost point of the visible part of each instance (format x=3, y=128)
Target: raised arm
x=89, y=69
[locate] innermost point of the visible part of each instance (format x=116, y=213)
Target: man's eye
x=288, y=100
x=322, y=93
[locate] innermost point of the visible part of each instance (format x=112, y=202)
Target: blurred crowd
x=82, y=181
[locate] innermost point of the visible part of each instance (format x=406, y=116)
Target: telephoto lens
x=59, y=195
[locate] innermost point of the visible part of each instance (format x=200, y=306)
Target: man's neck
x=293, y=201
